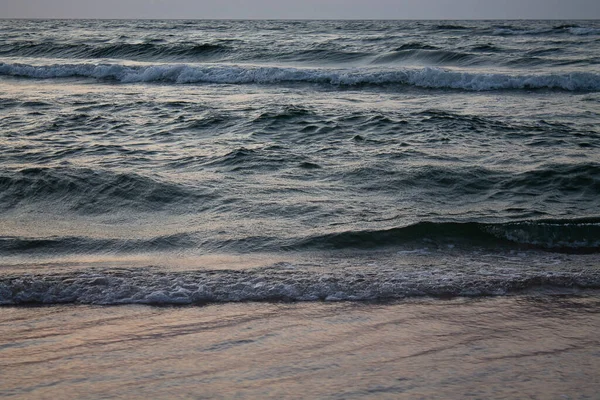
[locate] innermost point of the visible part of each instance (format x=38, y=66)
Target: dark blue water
x=193, y=161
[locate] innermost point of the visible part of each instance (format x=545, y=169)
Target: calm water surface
x=509, y=348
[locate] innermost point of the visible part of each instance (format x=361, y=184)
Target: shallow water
x=512, y=347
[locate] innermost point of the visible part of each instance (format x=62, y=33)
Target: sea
x=299, y=209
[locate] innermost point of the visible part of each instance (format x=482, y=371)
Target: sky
x=303, y=9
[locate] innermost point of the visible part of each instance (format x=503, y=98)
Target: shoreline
x=463, y=348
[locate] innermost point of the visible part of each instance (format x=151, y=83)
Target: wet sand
x=542, y=347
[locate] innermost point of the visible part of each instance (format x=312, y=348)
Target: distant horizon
x=293, y=19
x=405, y=10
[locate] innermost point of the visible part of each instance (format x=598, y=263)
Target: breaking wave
x=221, y=74
x=282, y=283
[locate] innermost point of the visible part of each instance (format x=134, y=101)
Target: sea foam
x=235, y=74
x=276, y=283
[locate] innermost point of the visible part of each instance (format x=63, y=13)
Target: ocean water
x=298, y=160
x=198, y=162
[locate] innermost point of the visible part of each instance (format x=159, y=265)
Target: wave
x=132, y=51
x=544, y=51
x=584, y=31
x=416, y=46
x=568, y=236
x=487, y=48
x=285, y=282
x=429, y=56
x=576, y=29
x=578, y=182
x=89, y=191
x=101, y=191
x=451, y=27
x=557, y=30
x=60, y=245
x=321, y=56
x=579, y=236
x=225, y=74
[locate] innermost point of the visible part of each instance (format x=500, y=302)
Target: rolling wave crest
x=221, y=74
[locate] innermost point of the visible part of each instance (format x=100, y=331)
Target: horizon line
x=292, y=19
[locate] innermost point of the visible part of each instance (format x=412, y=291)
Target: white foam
x=226, y=74
x=145, y=286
